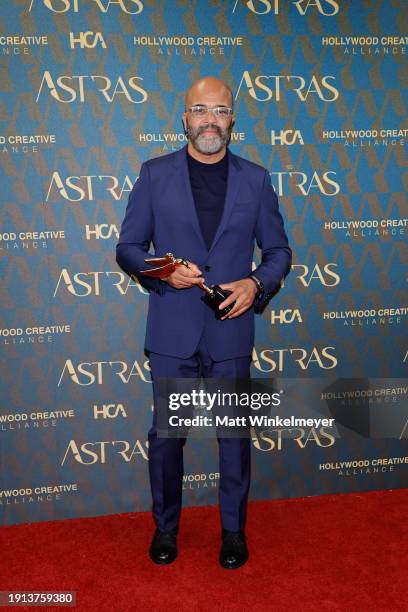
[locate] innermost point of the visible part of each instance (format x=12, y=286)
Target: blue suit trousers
x=166, y=454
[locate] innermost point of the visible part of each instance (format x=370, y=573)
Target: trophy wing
x=160, y=261
x=162, y=272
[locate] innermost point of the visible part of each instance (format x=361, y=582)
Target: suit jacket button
x=207, y=268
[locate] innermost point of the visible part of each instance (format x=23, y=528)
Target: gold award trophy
x=166, y=265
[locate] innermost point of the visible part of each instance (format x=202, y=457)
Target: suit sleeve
x=271, y=238
x=137, y=233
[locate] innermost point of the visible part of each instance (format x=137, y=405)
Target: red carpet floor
x=335, y=552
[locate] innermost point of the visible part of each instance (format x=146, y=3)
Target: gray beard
x=209, y=145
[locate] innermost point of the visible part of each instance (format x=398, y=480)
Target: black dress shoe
x=234, y=552
x=163, y=549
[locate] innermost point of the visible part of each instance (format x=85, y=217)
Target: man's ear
x=183, y=120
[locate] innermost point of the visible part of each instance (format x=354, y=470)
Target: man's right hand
x=183, y=277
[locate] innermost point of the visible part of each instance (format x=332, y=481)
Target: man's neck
x=211, y=158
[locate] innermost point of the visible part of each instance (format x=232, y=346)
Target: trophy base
x=214, y=299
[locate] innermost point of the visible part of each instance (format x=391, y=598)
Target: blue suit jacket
x=161, y=211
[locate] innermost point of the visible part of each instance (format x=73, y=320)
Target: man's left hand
x=243, y=294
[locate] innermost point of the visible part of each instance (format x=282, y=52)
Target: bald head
x=211, y=89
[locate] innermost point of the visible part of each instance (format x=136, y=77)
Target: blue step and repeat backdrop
x=92, y=88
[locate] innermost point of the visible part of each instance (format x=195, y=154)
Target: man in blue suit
x=208, y=206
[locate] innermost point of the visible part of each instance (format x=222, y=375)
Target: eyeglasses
x=199, y=110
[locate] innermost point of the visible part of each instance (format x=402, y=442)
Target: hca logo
x=286, y=137
x=75, y=87
x=328, y=8
x=286, y=316
x=131, y=7
x=101, y=231
x=109, y=411
x=87, y=40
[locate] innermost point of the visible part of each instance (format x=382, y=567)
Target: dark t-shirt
x=209, y=186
